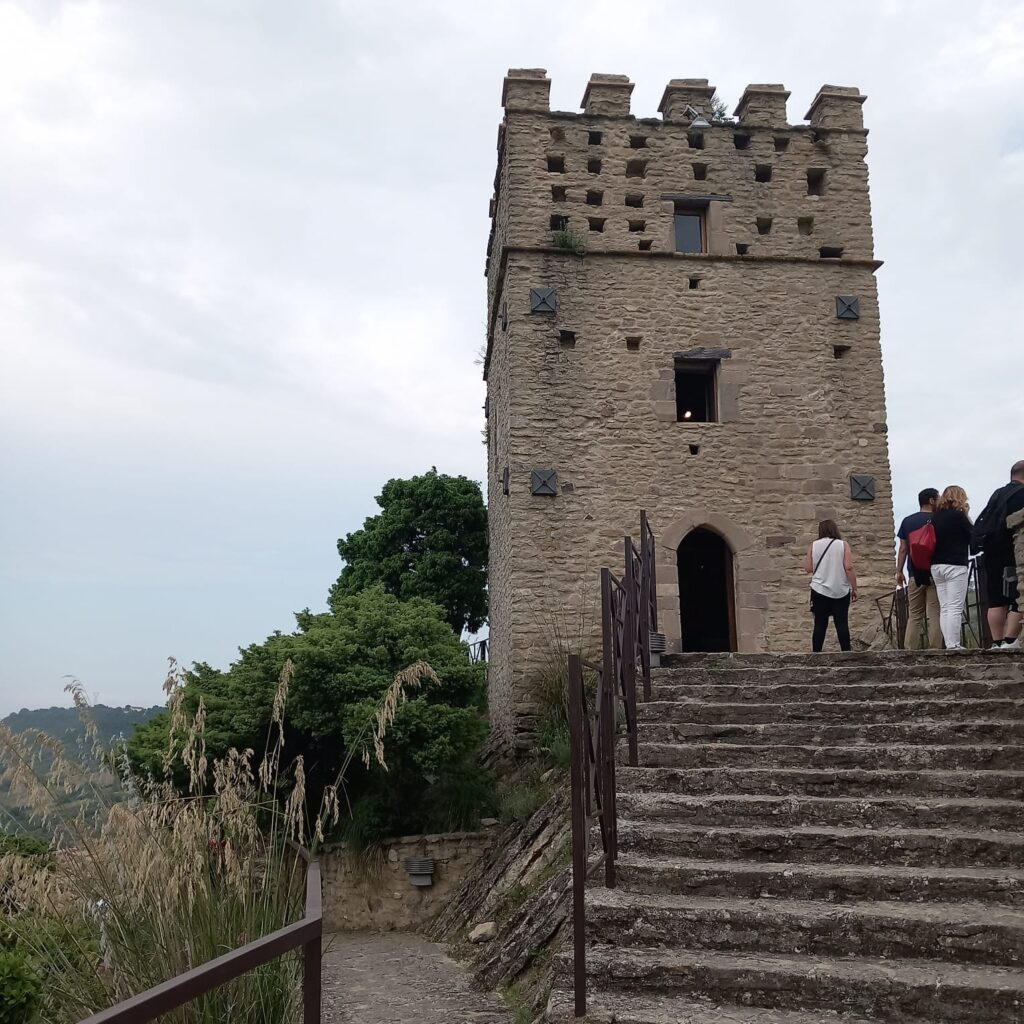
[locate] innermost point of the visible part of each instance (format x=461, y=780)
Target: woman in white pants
x=949, y=563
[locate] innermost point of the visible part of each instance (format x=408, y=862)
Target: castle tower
x=682, y=317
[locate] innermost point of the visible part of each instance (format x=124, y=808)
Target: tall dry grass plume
x=140, y=890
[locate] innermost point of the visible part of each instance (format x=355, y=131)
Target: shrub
x=20, y=989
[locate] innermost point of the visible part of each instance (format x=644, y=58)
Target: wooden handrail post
x=311, y=966
x=578, y=758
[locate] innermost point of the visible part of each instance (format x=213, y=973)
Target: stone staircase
x=812, y=839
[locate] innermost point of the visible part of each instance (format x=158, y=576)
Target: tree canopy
x=428, y=541
x=344, y=661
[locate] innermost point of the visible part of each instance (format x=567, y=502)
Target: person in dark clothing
x=1004, y=615
x=953, y=529
x=922, y=600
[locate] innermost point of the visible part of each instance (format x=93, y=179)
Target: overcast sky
x=241, y=277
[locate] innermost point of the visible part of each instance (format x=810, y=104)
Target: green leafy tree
x=21, y=990
x=344, y=661
x=429, y=540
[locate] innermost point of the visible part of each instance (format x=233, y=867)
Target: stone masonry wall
x=383, y=899
x=800, y=391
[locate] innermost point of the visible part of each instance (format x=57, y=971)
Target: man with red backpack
x=992, y=535
x=922, y=598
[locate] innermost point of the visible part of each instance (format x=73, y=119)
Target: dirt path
x=398, y=978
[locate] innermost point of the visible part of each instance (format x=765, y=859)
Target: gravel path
x=397, y=978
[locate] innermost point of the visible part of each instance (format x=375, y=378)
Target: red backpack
x=922, y=547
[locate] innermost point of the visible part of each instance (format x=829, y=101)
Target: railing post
x=606, y=729
x=580, y=841
x=630, y=643
x=311, y=965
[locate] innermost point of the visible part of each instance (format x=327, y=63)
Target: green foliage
x=21, y=989
x=344, y=662
x=428, y=541
x=566, y=238
x=521, y=800
x=22, y=844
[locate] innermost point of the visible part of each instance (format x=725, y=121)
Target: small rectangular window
x=596, y=223
x=689, y=229
x=636, y=168
x=700, y=172
x=645, y=245
x=595, y=198
x=695, y=140
x=558, y=222
x=762, y=172
x=594, y=138
x=594, y=166
x=805, y=225
x=638, y=225
x=781, y=143
x=741, y=140
x=696, y=392
x=556, y=164
x=816, y=181
x=633, y=200
x=638, y=142
x=559, y=193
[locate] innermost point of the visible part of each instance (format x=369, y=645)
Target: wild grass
x=568, y=239
x=144, y=889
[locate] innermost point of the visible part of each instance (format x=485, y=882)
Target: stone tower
x=682, y=318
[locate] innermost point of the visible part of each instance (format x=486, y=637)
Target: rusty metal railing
x=305, y=934
x=629, y=612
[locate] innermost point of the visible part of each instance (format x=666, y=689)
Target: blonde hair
x=955, y=498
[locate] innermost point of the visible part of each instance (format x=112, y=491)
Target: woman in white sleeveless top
x=833, y=584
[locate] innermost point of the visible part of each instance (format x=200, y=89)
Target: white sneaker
x=1010, y=645
x=997, y=646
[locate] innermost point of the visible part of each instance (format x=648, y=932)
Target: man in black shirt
x=1004, y=617
x=922, y=599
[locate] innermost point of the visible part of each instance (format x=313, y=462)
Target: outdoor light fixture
x=688, y=415
x=420, y=871
x=699, y=120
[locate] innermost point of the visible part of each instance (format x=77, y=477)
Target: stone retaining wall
x=375, y=894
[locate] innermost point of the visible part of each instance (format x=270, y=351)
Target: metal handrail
x=306, y=934
x=628, y=612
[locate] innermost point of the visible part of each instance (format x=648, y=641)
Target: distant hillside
x=66, y=725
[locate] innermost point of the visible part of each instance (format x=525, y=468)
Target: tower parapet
x=607, y=94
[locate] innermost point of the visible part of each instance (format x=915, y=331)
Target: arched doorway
x=707, y=604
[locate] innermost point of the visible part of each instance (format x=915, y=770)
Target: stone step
x=900, y=991
x=903, y=663
x=835, y=734
x=838, y=883
x=892, y=755
x=966, y=813
x=825, y=844
x=762, y=690
x=959, y=933
x=782, y=670
x=822, y=782
x=636, y=1007
x=851, y=713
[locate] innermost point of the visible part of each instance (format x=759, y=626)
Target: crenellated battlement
x=762, y=106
